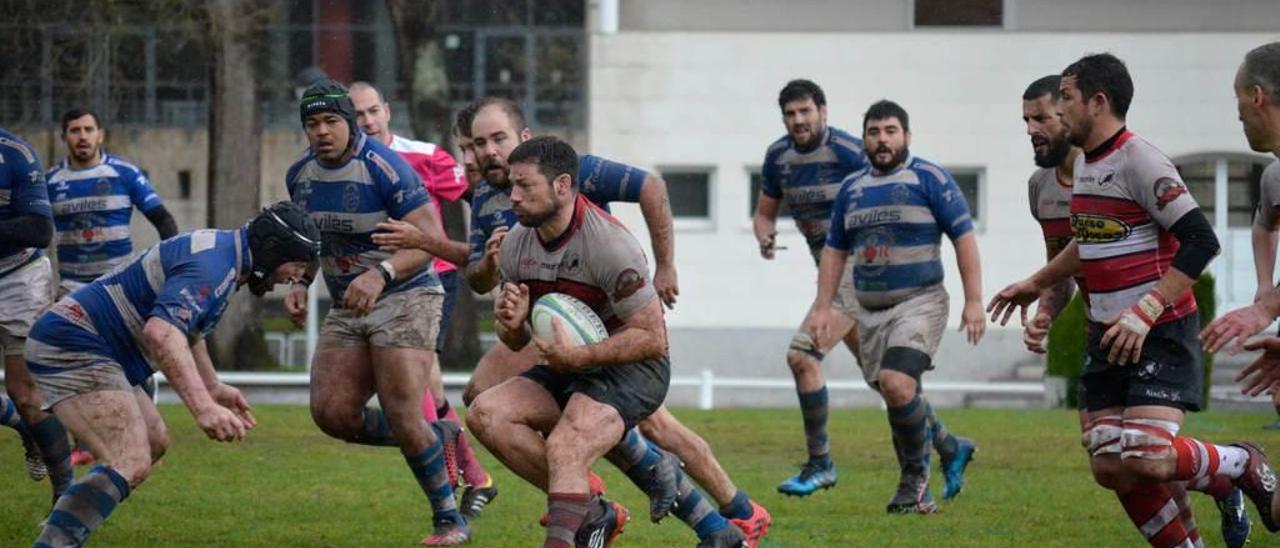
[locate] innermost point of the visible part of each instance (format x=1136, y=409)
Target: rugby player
x=380, y=335
x=804, y=170
x=1140, y=240
x=93, y=194
x=25, y=279
x=444, y=183
x=1049, y=194
x=497, y=128
x=889, y=219
x=1257, y=89
x=90, y=353
x=584, y=399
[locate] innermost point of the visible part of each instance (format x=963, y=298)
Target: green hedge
x=1066, y=339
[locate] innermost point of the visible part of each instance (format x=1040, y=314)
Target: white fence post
x=313, y=320
x=706, y=391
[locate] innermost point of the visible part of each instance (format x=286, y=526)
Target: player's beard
x=85, y=155
x=899, y=156
x=501, y=180
x=1055, y=154
x=535, y=219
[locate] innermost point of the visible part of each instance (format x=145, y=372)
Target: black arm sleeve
x=1198, y=243
x=27, y=231
x=163, y=221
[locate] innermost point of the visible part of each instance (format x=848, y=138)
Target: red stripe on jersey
x=1056, y=228
x=593, y=296
x=1122, y=209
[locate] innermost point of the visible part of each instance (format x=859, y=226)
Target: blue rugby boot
x=1235, y=519
x=953, y=468
x=815, y=475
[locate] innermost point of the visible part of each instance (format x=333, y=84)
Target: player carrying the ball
x=583, y=399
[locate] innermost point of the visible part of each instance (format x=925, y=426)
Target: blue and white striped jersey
x=808, y=181
x=91, y=212
x=185, y=280
x=600, y=180
x=22, y=192
x=892, y=225
x=347, y=203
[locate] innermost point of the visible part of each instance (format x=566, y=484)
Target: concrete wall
x=708, y=99
x=897, y=15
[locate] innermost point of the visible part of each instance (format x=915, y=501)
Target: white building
x=689, y=90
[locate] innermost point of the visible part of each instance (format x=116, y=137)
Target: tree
x=421, y=68
x=235, y=170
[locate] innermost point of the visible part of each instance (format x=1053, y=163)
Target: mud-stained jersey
x=596, y=261
x=892, y=224
x=347, y=202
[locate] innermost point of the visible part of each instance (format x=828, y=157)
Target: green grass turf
x=289, y=485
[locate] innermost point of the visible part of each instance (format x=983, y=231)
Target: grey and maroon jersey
x=1050, y=202
x=1127, y=194
x=1268, y=214
x=596, y=260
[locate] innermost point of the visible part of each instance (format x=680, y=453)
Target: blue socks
x=429, y=469
x=83, y=508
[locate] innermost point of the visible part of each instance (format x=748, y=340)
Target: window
x=970, y=180
x=959, y=13
x=689, y=190
x=184, y=184
x=757, y=181
x=1242, y=176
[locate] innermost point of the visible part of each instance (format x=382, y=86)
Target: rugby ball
x=580, y=323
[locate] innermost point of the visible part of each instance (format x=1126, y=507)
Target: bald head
x=373, y=114
x=1257, y=87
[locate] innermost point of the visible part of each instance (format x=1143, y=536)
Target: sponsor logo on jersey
x=95, y=204
x=1098, y=229
x=334, y=223
x=875, y=217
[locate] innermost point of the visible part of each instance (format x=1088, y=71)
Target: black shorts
x=636, y=390
x=1169, y=373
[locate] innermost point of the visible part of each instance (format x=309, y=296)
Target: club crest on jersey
x=1167, y=190
x=629, y=282
x=102, y=187
x=874, y=250
x=900, y=195
x=351, y=198
x=1098, y=229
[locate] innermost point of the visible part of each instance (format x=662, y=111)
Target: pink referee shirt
x=444, y=178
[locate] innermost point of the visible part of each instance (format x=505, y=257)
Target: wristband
x=1150, y=307
x=387, y=270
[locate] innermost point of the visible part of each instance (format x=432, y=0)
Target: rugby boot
x=448, y=533
x=594, y=484
x=661, y=485
x=953, y=468
x=756, y=526
x=448, y=432
x=913, y=496
x=813, y=476
x=31, y=455
x=1235, y=519
x=729, y=537
x=1259, y=483
x=474, y=499
x=603, y=524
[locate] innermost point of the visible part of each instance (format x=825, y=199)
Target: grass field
x=289, y=485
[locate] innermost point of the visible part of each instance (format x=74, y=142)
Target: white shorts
x=24, y=294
